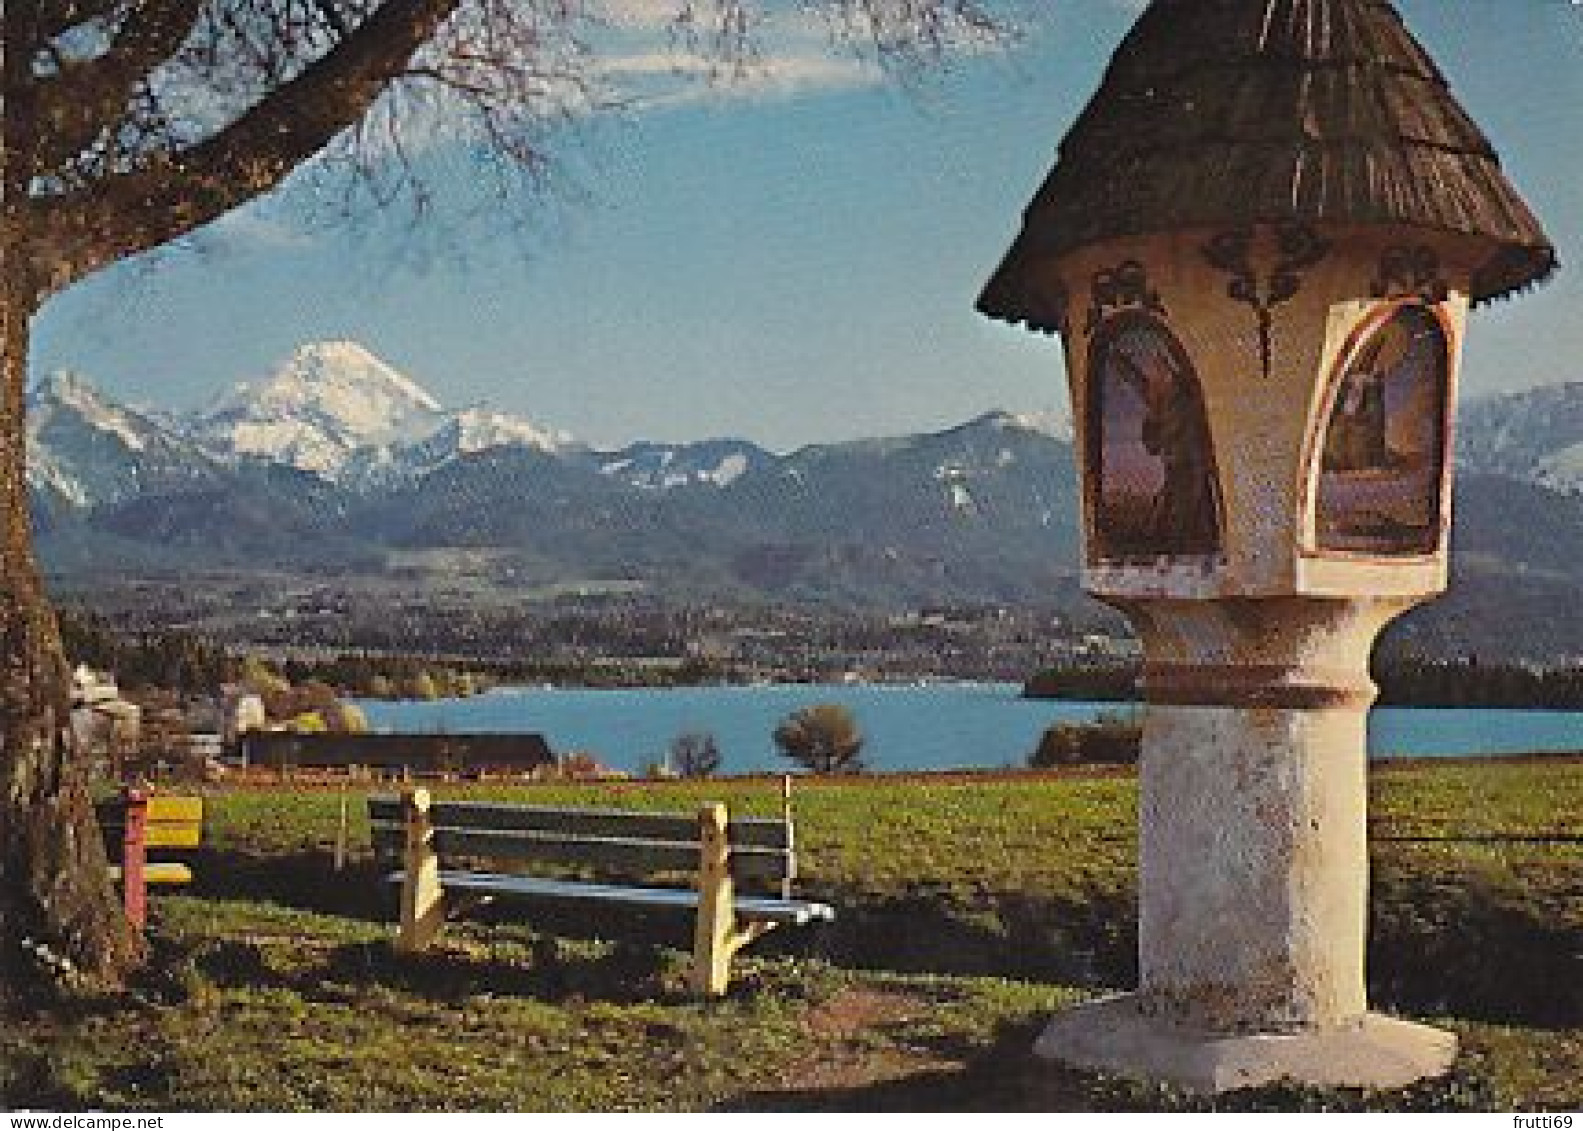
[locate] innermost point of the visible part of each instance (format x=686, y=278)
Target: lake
x=929, y=727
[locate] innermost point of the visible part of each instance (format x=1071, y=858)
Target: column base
x=1379, y=1052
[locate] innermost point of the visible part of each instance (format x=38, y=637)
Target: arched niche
x=1153, y=487
x=1381, y=460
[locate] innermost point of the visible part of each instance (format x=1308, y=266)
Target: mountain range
x=338, y=464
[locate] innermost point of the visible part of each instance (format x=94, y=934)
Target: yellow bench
x=140, y=821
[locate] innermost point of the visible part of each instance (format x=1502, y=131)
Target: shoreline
x=269, y=780
x=1021, y=694
x=965, y=725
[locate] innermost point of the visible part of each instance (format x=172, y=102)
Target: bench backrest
x=172, y=821
x=614, y=840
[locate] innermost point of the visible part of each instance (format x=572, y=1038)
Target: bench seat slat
x=166, y=872
x=788, y=911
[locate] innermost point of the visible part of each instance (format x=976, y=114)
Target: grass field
x=970, y=907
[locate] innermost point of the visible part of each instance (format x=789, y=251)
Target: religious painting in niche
x=1152, y=467
x=1383, y=457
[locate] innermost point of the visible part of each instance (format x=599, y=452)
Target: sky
x=791, y=259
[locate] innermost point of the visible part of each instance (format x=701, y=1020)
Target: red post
x=134, y=853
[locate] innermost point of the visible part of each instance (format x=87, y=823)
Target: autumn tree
x=824, y=738
x=126, y=124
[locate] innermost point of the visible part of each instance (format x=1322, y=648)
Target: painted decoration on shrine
x=1152, y=466
x=1382, y=460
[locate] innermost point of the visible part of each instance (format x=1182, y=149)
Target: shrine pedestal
x=1253, y=856
x=1374, y=1051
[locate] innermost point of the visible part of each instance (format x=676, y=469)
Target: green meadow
x=969, y=908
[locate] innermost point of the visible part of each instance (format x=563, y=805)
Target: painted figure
x=1356, y=441
x=1158, y=488
x=1382, y=459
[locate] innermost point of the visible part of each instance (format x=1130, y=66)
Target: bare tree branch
x=86, y=98
x=249, y=90
x=123, y=214
x=57, y=17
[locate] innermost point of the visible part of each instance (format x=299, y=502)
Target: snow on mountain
x=478, y=429
x=328, y=400
x=664, y=467
x=337, y=410
x=727, y=471
x=66, y=393
x=1056, y=425
x=458, y=434
x=1535, y=435
x=1562, y=469
x=89, y=451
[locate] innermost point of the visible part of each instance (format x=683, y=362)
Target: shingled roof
x=1220, y=113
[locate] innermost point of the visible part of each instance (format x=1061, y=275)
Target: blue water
x=933, y=727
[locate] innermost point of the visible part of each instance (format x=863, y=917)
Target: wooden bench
x=139, y=821
x=432, y=838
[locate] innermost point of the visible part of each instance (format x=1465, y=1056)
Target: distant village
x=147, y=698
x=636, y=639
x=124, y=736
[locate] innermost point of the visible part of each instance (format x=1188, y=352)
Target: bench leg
x=716, y=935
x=134, y=858
x=712, y=938
x=715, y=944
x=716, y=922
x=422, y=900
x=422, y=910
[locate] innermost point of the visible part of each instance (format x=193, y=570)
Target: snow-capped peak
x=1050, y=423
x=88, y=450
x=65, y=390
x=339, y=380
x=479, y=429
x=326, y=401
x=335, y=409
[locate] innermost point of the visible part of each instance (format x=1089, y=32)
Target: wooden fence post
x=422, y=901
x=790, y=878
x=341, y=832
x=715, y=929
x=134, y=855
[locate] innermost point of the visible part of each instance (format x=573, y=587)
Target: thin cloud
x=664, y=79
x=791, y=52
x=254, y=228
x=637, y=15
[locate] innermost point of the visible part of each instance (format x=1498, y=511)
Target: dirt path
x=855, y=1033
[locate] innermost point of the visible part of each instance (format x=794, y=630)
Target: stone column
x=1253, y=859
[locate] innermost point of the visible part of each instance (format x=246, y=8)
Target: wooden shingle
x=1217, y=113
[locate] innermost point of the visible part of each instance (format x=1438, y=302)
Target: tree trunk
x=60, y=920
